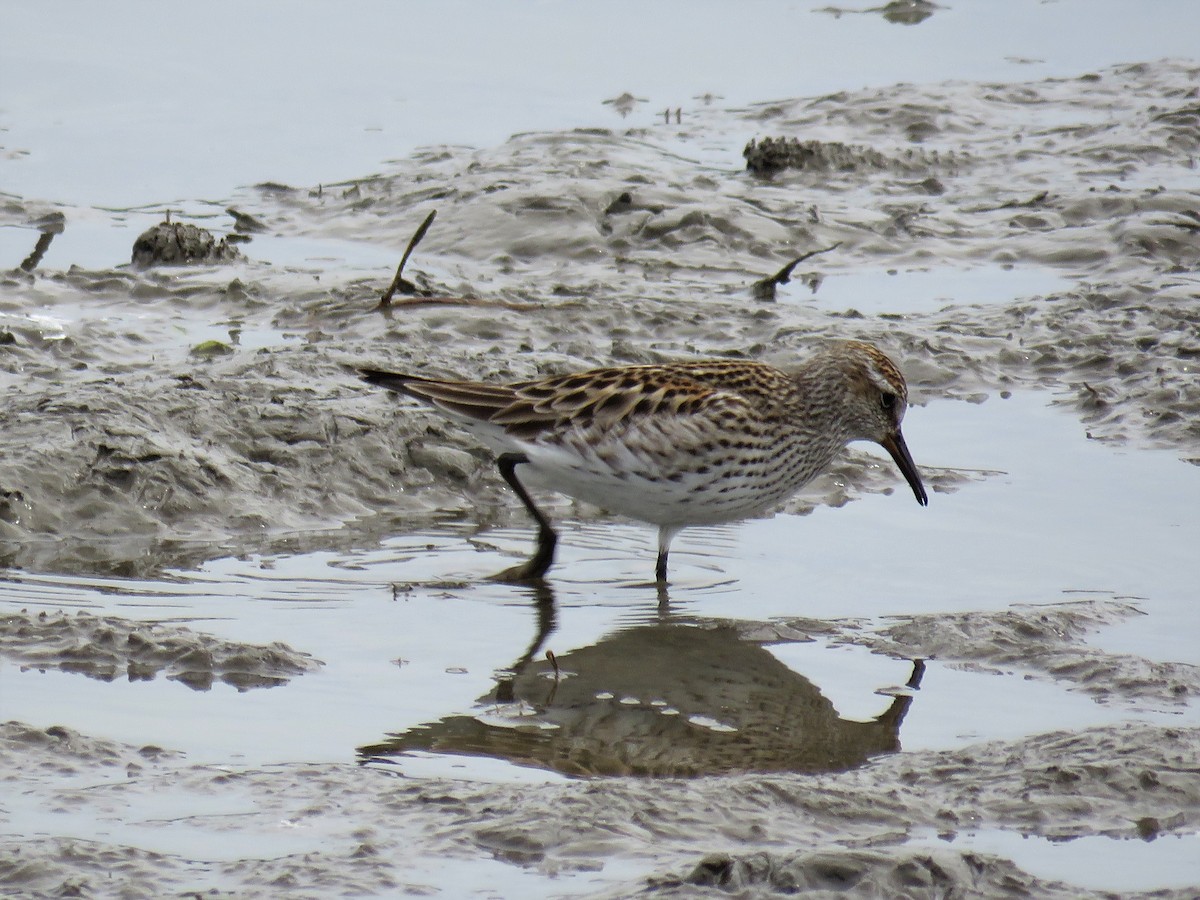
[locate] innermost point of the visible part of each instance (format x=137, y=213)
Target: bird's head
x=878, y=401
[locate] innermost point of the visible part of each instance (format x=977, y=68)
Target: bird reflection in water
x=679, y=696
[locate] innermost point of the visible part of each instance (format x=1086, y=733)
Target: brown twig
x=410, y=302
x=765, y=288
x=1037, y=200
x=398, y=283
x=43, y=244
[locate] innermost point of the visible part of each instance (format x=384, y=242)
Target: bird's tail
x=393, y=381
x=467, y=399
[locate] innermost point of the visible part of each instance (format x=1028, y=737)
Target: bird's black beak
x=894, y=444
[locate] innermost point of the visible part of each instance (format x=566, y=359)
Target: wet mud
x=154, y=419
x=1049, y=640
x=218, y=439
x=108, y=647
x=369, y=831
x=180, y=243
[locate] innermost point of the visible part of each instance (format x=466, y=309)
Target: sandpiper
x=677, y=444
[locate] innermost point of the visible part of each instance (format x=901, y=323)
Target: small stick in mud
x=410, y=302
x=49, y=225
x=43, y=244
x=765, y=288
x=424, y=298
x=1034, y=202
x=244, y=222
x=398, y=283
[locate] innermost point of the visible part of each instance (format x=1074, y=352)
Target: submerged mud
x=107, y=648
x=160, y=418
x=1048, y=639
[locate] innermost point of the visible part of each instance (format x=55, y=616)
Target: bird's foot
x=533, y=569
x=528, y=572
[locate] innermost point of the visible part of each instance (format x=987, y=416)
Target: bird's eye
x=888, y=402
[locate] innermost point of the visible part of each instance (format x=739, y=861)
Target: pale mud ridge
x=1045, y=639
x=130, y=446
x=57, y=753
x=109, y=647
x=355, y=830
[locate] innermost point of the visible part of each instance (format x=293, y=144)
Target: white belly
x=721, y=491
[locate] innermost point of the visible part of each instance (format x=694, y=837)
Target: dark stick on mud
x=459, y=301
x=43, y=244
x=1034, y=202
x=49, y=225
x=765, y=289
x=398, y=283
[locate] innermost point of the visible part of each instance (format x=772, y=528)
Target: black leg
x=918, y=671
x=660, y=568
x=543, y=556
x=665, y=534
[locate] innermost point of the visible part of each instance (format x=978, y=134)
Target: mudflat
x=197, y=493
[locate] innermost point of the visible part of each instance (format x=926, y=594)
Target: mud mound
x=828, y=875
x=1048, y=639
x=772, y=155
x=107, y=648
x=57, y=752
x=179, y=243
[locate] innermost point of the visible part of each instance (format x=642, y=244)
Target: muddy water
x=247, y=639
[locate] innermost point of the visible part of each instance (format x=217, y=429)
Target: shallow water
x=413, y=632
x=1095, y=863
x=349, y=104
x=921, y=290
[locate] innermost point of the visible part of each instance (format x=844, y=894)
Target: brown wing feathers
x=602, y=396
